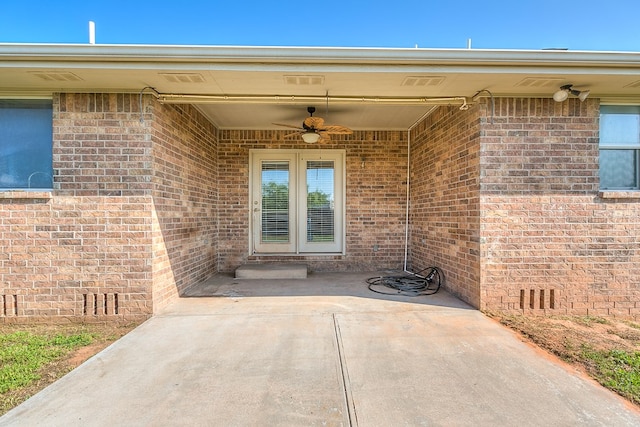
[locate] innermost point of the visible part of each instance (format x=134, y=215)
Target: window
x=26, y=135
x=619, y=147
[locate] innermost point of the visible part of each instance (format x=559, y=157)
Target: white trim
x=255, y=199
x=624, y=100
x=300, y=54
x=334, y=154
x=338, y=157
x=619, y=194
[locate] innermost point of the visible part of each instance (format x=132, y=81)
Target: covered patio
x=457, y=158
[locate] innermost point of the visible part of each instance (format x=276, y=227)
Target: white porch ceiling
x=252, y=87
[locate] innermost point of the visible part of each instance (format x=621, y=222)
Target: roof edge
x=291, y=54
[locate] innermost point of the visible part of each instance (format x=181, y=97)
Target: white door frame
x=255, y=200
x=298, y=243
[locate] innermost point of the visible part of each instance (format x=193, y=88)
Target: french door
x=297, y=201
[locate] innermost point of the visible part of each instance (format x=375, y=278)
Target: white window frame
x=14, y=150
x=635, y=147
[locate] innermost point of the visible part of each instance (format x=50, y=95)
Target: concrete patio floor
x=321, y=351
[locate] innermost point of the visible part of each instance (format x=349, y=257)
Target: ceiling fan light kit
x=310, y=137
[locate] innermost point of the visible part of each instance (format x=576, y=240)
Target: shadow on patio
x=348, y=290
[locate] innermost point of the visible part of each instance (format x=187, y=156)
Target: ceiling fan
x=313, y=129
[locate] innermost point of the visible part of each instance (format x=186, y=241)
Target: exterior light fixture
x=310, y=137
x=566, y=90
x=583, y=95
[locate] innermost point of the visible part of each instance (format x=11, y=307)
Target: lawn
x=34, y=356
x=607, y=350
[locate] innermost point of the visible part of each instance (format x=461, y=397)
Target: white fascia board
x=85, y=53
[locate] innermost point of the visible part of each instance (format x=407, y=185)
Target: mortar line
x=346, y=383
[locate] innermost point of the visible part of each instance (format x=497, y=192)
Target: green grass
x=23, y=354
x=633, y=325
x=34, y=356
x=590, y=320
x=617, y=370
x=606, y=348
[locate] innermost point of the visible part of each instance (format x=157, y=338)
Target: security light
x=566, y=90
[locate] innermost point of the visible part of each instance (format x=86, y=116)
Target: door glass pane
x=618, y=169
x=320, y=201
x=275, y=202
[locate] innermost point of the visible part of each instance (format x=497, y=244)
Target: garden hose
x=411, y=284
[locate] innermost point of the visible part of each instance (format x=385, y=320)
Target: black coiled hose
x=411, y=284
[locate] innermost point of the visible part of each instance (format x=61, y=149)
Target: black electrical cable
x=411, y=285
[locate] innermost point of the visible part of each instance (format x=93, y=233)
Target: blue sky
x=490, y=24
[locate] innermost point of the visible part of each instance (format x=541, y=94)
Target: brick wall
x=375, y=195
x=445, y=197
x=551, y=244
x=84, y=250
x=185, y=198
x=131, y=221
x=508, y=206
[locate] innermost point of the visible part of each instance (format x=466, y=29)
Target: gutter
x=87, y=53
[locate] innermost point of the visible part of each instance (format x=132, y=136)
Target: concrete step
x=272, y=271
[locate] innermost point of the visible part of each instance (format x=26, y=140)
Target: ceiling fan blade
x=288, y=126
x=314, y=122
x=289, y=135
x=324, y=137
x=337, y=130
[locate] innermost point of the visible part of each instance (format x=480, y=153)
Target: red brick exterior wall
x=131, y=199
x=550, y=243
x=84, y=250
x=445, y=199
x=507, y=204
x=185, y=197
x=509, y=207
x=376, y=168
x=74, y=257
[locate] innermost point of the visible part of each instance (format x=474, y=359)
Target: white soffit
x=313, y=72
